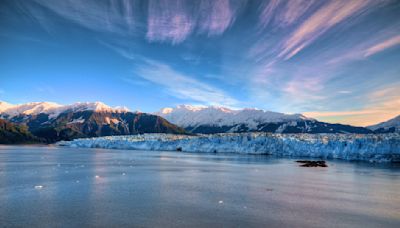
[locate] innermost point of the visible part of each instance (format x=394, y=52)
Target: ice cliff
x=370, y=147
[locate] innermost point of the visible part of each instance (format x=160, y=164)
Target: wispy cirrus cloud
x=170, y=21
x=181, y=85
x=119, y=17
x=174, y=21
x=391, y=42
x=321, y=21
x=287, y=28
x=375, y=44
x=283, y=13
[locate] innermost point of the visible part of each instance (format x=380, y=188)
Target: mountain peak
x=188, y=115
x=95, y=106
x=54, y=109
x=392, y=123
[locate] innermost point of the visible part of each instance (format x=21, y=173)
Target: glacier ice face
x=373, y=147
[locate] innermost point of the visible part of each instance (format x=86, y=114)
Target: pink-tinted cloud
x=268, y=10
x=168, y=20
x=391, y=42
x=283, y=13
x=174, y=21
x=374, y=44
x=321, y=21
x=215, y=16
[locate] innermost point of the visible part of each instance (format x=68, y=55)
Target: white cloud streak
x=175, y=21
x=321, y=21
x=104, y=16
x=168, y=20
x=171, y=21
x=283, y=13
x=183, y=86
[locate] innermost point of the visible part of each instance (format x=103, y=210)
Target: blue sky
x=337, y=61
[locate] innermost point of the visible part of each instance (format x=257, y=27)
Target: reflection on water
x=97, y=187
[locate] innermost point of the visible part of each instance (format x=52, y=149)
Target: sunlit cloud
x=165, y=20
x=169, y=20
x=393, y=41
x=321, y=21
x=383, y=104
x=283, y=13
x=175, y=21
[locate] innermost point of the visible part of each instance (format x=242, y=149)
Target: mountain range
x=220, y=120
x=392, y=125
x=13, y=133
x=50, y=122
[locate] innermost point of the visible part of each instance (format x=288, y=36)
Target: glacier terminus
x=354, y=147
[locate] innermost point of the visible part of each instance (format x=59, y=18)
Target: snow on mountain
x=367, y=147
x=54, y=109
x=392, y=125
x=192, y=116
x=32, y=108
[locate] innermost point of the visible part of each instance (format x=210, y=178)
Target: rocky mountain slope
x=11, y=133
x=223, y=120
x=392, y=125
x=53, y=122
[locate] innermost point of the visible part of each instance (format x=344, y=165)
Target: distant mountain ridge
x=52, y=122
x=392, y=125
x=53, y=109
x=214, y=119
x=187, y=115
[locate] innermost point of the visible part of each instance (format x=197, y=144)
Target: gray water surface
x=66, y=187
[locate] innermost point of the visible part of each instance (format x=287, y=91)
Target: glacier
x=354, y=147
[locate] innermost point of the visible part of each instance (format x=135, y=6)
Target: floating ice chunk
x=220, y=202
x=97, y=176
x=38, y=186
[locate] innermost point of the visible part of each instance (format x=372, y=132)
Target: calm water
x=97, y=187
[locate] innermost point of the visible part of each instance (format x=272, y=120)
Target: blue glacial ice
x=369, y=147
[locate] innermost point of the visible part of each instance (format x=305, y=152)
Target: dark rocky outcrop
x=307, y=163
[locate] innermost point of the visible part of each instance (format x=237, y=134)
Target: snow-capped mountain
x=202, y=119
x=52, y=122
x=392, y=125
x=190, y=116
x=54, y=109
